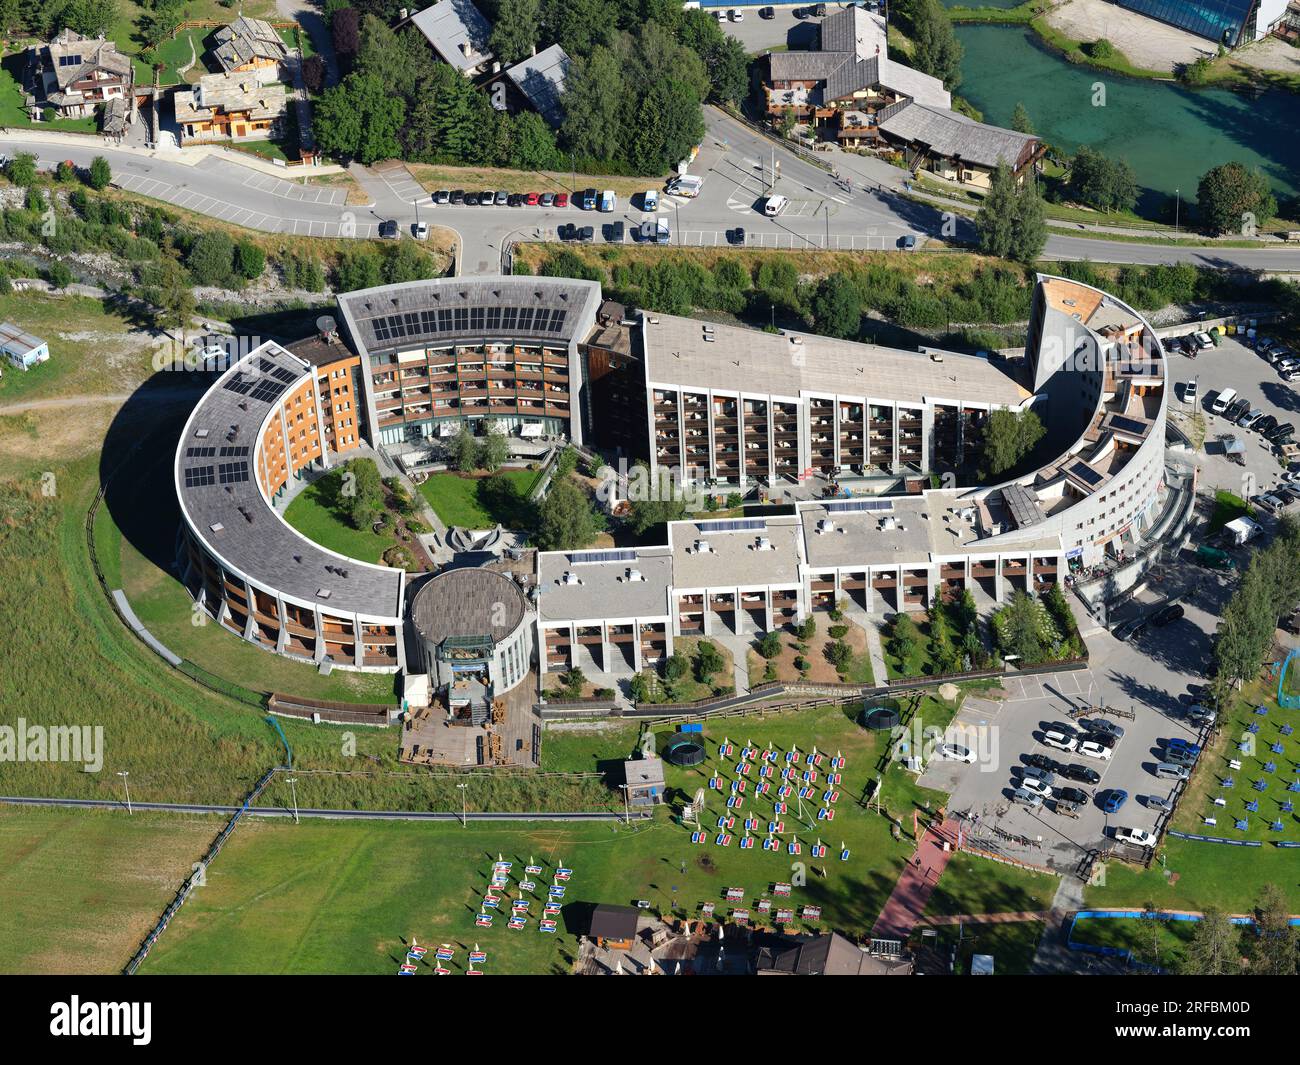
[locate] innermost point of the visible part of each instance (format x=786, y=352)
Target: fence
x=339, y=713
x=196, y=879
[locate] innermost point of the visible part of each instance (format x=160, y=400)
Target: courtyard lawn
x=1012, y=945
x=80, y=888
x=1227, y=507
x=482, y=502
x=1151, y=940
x=314, y=513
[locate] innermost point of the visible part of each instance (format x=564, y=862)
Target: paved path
x=875, y=649
x=1015, y=917
x=907, y=902
x=1053, y=956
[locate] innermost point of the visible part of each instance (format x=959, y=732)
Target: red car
x=561, y=199
x=533, y=199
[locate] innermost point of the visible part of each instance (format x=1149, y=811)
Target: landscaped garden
x=946, y=640
x=481, y=502
x=827, y=648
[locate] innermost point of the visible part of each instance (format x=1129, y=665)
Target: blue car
x=1115, y=799
x=1180, y=744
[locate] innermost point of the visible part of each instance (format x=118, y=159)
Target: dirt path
x=168, y=395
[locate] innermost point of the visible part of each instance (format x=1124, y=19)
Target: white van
x=608, y=201
x=1223, y=401
x=687, y=185
x=650, y=200
x=775, y=205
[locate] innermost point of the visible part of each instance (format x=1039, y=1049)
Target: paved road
x=337, y=815
x=737, y=162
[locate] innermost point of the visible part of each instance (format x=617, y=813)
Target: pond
x=1169, y=135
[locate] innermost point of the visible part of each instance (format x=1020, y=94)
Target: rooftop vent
x=216, y=526
x=762, y=543
x=571, y=578
x=323, y=593
x=702, y=547
x=825, y=525
x=202, y=434
x=634, y=575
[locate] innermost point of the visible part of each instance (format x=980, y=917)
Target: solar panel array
x=261, y=389
x=858, y=506
x=733, y=525
x=199, y=476
x=467, y=320
x=1128, y=425
x=232, y=472
x=615, y=555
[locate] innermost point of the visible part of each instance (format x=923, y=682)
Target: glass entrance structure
x=1222, y=21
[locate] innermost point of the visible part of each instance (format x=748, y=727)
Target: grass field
x=482, y=502
x=1012, y=945
x=314, y=514
x=972, y=885
x=340, y=898
x=80, y=888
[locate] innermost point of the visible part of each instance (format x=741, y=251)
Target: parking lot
x=1231, y=364
x=1014, y=728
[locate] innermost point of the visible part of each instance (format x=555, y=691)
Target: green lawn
x=80, y=888
x=1013, y=946
x=313, y=513
x=918, y=662
x=482, y=502
x=12, y=112
x=972, y=885
x=339, y=898
x=1227, y=507
x=1152, y=941
x=1191, y=874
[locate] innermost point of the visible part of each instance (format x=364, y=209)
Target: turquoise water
x=1168, y=134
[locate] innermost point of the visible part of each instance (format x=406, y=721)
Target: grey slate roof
x=252, y=538
x=804, y=66
x=541, y=79
x=366, y=310
x=458, y=32
x=467, y=602
x=247, y=39
x=955, y=136
x=854, y=30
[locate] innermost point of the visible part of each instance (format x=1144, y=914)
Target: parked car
x=441, y=196
x=548, y=199
x=567, y=231
x=650, y=200
x=1237, y=410
x=1114, y=800
x=1062, y=741
x=1177, y=743
x=1167, y=615
x=587, y=234
x=1189, y=391
x=561, y=199
x=1139, y=836
x=388, y=229
x=1035, y=787
x=457, y=196
x=1172, y=771
x=1200, y=714
x=614, y=233
x=1128, y=629
x=1289, y=375
x=420, y=230
x=1157, y=802
x=1074, y=796
x=954, y=752
x=721, y=16
x=1024, y=797
x=515, y=199
x=1203, y=340
x=1041, y=761
x=1083, y=774
x=532, y=199
x=736, y=16
x=1180, y=756
x=1102, y=726
x=1265, y=425
x=1045, y=776
x=487, y=198
x=587, y=199
x=1250, y=418
x=1283, y=430
x=736, y=236
x=907, y=242
x=767, y=12
x=1270, y=504
x=1093, y=749
x=501, y=199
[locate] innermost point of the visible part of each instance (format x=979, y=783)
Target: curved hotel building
x=719, y=404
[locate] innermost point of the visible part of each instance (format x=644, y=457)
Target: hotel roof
x=605, y=591
x=541, y=79
x=688, y=353
x=955, y=136
x=217, y=485
x=735, y=558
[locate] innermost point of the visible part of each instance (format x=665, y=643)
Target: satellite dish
x=326, y=324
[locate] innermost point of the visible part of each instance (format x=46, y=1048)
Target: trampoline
x=880, y=717
x=684, y=749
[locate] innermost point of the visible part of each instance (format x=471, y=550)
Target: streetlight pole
x=124, y=774
x=627, y=813
x=677, y=212
x=464, y=814
x=826, y=209
x=1178, y=200
x=573, y=176
x=293, y=788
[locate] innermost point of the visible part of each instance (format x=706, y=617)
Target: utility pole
x=464, y=813
x=826, y=209
x=677, y=211
x=124, y=774
x=293, y=788
x=1178, y=200
x=627, y=813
